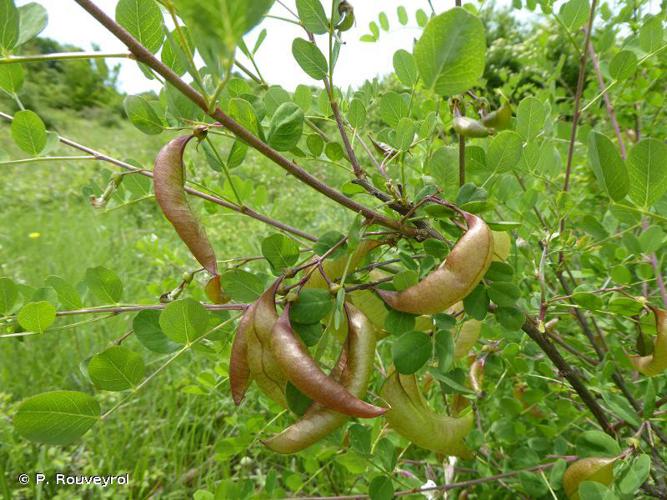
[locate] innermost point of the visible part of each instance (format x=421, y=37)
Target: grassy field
x=181, y=432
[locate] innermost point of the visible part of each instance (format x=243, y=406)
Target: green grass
x=180, y=433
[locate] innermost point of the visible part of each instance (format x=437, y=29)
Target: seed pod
x=263, y=365
x=467, y=127
x=335, y=268
x=656, y=363
x=600, y=470
x=412, y=418
x=353, y=371
x=239, y=371
x=502, y=245
x=467, y=337
x=169, y=182
x=454, y=279
x=499, y=119
x=302, y=370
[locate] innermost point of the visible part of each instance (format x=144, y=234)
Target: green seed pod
x=499, y=119
x=454, y=279
x=656, y=363
x=262, y=364
x=600, y=470
x=412, y=418
x=467, y=337
x=353, y=371
x=467, y=127
x=302, y=370
x=169, y=184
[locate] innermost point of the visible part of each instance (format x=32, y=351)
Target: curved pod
x=600, y=470
x=412, y=418
x=302, y=370
x=467, y=127
x=353, y=371
x=454, y=279
x=656, y=363
x=499, y=119
x=261, y=362
x=239, y=371
x=169, y=182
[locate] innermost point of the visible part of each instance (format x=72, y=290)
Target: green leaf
x=357, y=113
x=476, y=304
x=297, y=401
x=405, y=67
x=411, y=351
x=315, y=145
x=184, y=321
x=303, y=96
x=309, y=333
x=11, y=77
x=274, y=97
x=651, y=34
x=504, y=152
x=241, y=285
x=243, y=112
x=142, y=115
x=381, y=488
x=635, y=476
x=327, y=241
x=402, y=15
x=59, y=417
x=146, y=326
x=310, y=58
x=504, y=293
x=9, y=27
x=67, y=295
x=608, y=166
x=444, y=349
x=592, y=490
x=29, y=132
x=104, y=284
x=173, y=52
x=116, y=369
x=530, y=116
x=37, y=316
x=143, y=20
x=33, y=18
x=647, y=165
x=623, y=65
x=510, y=317
x=384, y=21
x=422, y=18
x=393, y=107
x=312, y=16
x=405, y=133
x=8, y=295
x=311, y=306
x=397, y=322
x=286, y=127
x=596, y=444
x=450, y=53
x=652, y=239
x=574, y=14
x=281, y=251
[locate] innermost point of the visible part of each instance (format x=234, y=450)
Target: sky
x=358, y=61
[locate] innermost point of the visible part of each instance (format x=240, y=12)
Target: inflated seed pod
x=335, y=268
x=239, y=370
x=499, y=119
x=306, y=375
x=467, y=337
x=467, y=127
x=169, y=183
x=454, y=279
x=353, y=371
x=600, y=470
x=263, y=366
x=411, y=417
x=502, y=245
x=656, y=363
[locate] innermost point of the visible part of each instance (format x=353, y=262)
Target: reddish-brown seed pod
x=239, y=371
x=263, y=365
x=169, y=182
x=454, y=279
x=656, y=363
x=353, y=370
x=302, y=370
